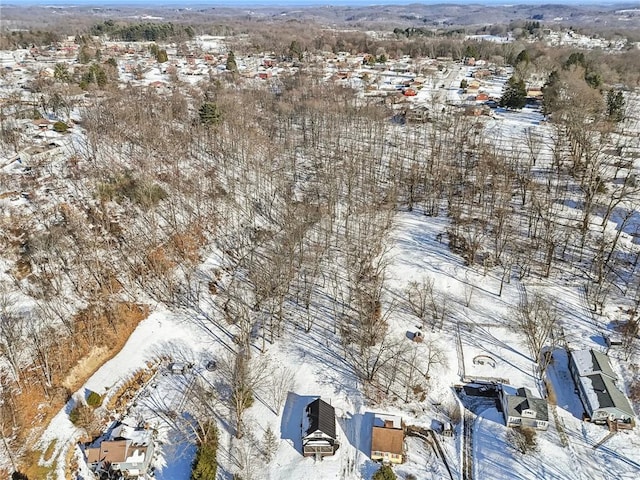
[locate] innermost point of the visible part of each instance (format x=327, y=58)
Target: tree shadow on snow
x=357, y=428
x=369, y=468
x=291, y=424
x=563, y=386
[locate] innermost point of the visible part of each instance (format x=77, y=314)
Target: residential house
x=534, y=92
x=417, y=114
x=42, y=123
x=473, y=87
x=319, y=430
x=596, y=384
x=475, y=110
x=387, y=439
x=41, y=153
x=521, y=409
x=482, y=73
x=127, y=450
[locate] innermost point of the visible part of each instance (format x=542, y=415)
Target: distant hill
x=355, y=15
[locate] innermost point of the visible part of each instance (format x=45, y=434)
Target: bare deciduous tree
x=244, y=376
x=281, y=381
x=536, y=319
x=522, y=439
x=419, y=297
x=12, y=331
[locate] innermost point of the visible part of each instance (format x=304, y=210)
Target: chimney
x=388, y=424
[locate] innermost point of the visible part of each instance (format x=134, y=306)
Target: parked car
x=179, y=368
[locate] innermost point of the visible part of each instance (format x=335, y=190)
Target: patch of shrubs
x=60, y=127
x=94, y=400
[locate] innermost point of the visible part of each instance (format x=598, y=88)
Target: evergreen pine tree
x=162, y=56
x=270, y=443
x=231, y=63
x=205, y=464
x=523, y=56
x=615, y=105
x=515, y=94
x=385, y=473
x=209, y=113
x=295, y=50
x=61, y=72
x=550, y=93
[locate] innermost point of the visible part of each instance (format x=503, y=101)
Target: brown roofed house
x=387, y=440
x=128, y=450
x=42, y=123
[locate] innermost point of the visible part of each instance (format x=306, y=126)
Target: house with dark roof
x=319, y=430
x=521, y=409
x=387, y=439
x=596, y=383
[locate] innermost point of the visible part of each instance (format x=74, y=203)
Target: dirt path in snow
x=467, y=446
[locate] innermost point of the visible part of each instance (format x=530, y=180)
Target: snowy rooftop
x=598, y=382
x=590, y=361
x=137, y=436
x=380, y=419
x=520, y=399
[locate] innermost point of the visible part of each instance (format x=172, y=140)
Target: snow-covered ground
x=484, y=330
x=478, y=324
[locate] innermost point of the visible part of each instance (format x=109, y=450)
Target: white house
x=521, y=409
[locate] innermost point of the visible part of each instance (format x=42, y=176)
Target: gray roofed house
x=596, y=382
x=319, y=430
x=521, y=409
